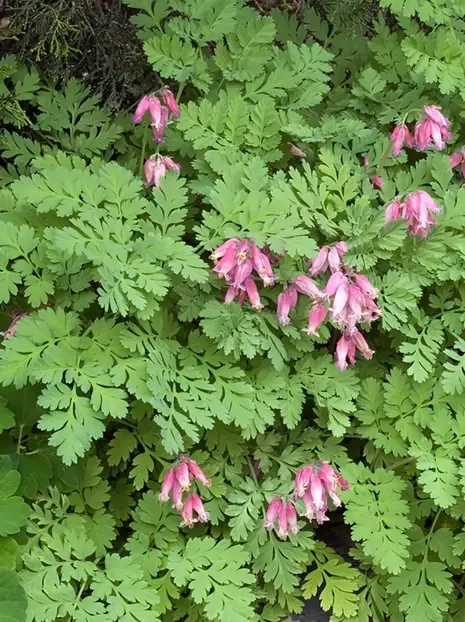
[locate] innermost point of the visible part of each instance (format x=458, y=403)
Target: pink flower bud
x=155, y=111
x=149, y=168
x=316, y=316
x=393, y=212
x=341, y=248
x=306, y=286
x=141, y=109
x=377, y=181
x=320, y=263
x=272, y=512
x=455, y=159
x=198, y=507
x=171, y=164
x=170, y=101
x=159, y=127
x=252, y=293
x=159, y=171
x=422, y=134
x=197, y=472
x=231, y=294
x=317, y=491
x=340, y=301
x=167, y=485
x=436, y=136
x=287, y=300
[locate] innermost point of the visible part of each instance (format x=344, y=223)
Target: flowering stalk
x=316, y=483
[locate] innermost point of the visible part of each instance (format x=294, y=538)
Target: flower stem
x=144, y=147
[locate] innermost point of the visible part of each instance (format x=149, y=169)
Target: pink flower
x=141, y=109
x=377, y=181
x=159, y=125
x=435, y=114
x=320, y=263
x=393, y=212
x=422, y=134
x=227, y=262
x=340, y=300
x=198, y=507
x=262, y=266
x=176, y=495
x=192, y=504
x=252, y=293
x=335, y=280
x=282, y=522
x=302, y=481
x=242, y=272
x=417, y=213
x=182, y=475
x=231, y=294
x=242, y=251
x=365, y=286
x=316, y=317
x=287, y=300
x=197, y=472
x=345, y=348
x=291, y=516
x=223, y=248
x=306, y=286
x=458, y=158
x=324, y=481
x=155, y=168
x=272, y=512
x=297, y=151
x=400, y=136
x=170, y=101
x=167, y=485
x=362, y=346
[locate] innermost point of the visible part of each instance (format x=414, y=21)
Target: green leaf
x=13, y=510
x=13, y=601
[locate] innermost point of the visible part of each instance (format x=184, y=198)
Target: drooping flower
x=197, y=472
x=287, y=300
x=400, y=136
x=170, y=101
x=155, y=168
x=320, y=263
x=345, y=349
x=457, y=159
x=262, y=266
x=242, y=272
x=159, y=125
x=334, y=281
x=167, y=485
x=306, y=286
x=285, y=514
x=316, y=317
x=314, y=484
x=141, y=108
x=182, y=475
x=432, y=130
x=419, y=206
x=377, y=181
x=272, y=512
x=253, y=295
x=365, y=286
x=393, y=212
x=223, y=249
x=192, y=504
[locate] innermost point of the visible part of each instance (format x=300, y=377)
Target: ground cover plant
x=235, y=315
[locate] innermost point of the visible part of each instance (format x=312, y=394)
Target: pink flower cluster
x=314, y=484
x=235, y=261
x=177, y=481
x=159, y=111
x=348, y=297
x=430, y=131
x=10, y=331
x=416, y=210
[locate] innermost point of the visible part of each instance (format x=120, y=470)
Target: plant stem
x=253, y=475
x=20, y=438
x=400, y=463
x=144, y=147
